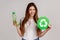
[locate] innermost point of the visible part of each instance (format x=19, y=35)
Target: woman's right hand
x=15, y=23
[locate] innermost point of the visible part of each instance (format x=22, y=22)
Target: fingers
x=49, y=25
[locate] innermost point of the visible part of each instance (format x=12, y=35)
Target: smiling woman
x=28, y=29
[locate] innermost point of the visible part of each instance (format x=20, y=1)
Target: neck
x=31, y=17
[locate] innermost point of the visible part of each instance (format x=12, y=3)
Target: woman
x=28, y=29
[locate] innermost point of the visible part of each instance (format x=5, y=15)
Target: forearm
x=44, y=32
x=17, y=27
x=18, y=30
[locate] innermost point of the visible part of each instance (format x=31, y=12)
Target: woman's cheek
x=30, y=13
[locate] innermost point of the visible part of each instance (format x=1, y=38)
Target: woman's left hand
x=49, y=27
x=45, y=31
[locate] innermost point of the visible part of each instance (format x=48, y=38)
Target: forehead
x=32, y=7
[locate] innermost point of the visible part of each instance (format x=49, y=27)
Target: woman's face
x=32, y=11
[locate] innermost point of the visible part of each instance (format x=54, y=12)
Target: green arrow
x=42, y=23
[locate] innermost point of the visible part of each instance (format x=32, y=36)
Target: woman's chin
x=32, y=15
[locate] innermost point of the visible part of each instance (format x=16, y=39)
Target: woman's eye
x=33, y=9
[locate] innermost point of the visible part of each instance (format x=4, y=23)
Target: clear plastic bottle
x=14, y=18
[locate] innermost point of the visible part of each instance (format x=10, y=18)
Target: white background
x=49, y=8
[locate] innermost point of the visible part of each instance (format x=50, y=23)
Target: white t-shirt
x=30, y=30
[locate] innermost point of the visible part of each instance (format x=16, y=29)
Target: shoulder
x=21, y=19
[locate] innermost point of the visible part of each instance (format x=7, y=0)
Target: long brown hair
x=27, y=15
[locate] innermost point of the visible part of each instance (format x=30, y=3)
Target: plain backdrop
x=48, y=8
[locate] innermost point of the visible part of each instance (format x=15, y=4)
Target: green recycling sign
x=42, y=23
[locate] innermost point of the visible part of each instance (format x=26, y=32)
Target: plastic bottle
x=14, y=18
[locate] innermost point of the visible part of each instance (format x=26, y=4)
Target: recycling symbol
x=42, y=23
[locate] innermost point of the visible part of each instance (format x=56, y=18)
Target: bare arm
x=18, y=28
x=44, y=32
